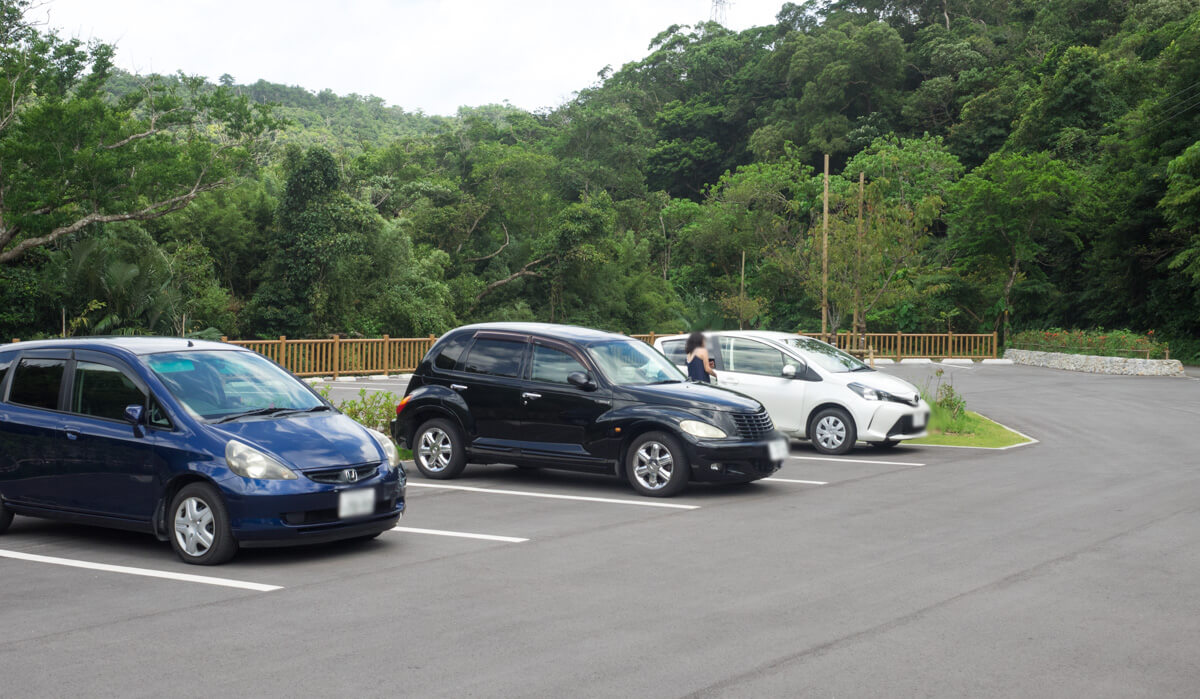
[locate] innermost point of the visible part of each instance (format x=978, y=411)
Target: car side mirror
x=789, y=371
x=136, y=416
x=579, y=379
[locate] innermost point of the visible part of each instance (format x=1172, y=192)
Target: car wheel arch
x=812, y=414
x=168, y=494
x=637, y=430
x=425, y=413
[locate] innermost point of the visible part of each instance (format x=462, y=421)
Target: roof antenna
x=190, y=344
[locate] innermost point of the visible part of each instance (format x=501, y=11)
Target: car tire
x=886, y=444
x=833, y=431
x=198, y=526
x=6, y=517
x=439, y=449
x=650, y=457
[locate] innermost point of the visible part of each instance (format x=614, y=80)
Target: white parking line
x=614, y=501
x=857, y=461
x=145, y=572
x=460, y=535
x=792, y=480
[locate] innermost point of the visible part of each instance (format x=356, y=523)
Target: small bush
x=1104, y=343
x=374, y=410
x=947, y=407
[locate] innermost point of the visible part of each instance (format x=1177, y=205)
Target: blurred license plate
x=778, y=450
x=918, y=420
x=356, y=503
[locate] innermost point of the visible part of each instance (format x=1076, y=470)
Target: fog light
x=715, y=467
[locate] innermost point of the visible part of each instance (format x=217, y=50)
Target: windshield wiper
x=299, y=411
x=663, y=381
x=864, y=367
x=251, y=413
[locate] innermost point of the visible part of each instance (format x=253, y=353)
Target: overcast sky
x=420, y=54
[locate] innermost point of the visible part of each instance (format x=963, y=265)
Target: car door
x=31, y=430
x=490, y=384
x=560, y=419
x=114, y=464
x=674, y=351
x=755, y=368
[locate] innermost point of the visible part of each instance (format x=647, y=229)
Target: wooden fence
x=338, y=356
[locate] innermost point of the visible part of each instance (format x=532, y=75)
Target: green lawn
x=970, y=430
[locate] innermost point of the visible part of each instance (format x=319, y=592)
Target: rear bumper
x=303, y=512
x=731, y=461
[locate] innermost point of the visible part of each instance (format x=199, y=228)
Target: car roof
x=133, y=345
x=574, y=333
x=762, y=334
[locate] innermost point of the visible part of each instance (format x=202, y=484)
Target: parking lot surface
x=1061, y=568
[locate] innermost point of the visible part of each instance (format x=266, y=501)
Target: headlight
x=248, y=462
x=867, y=392
x=389, y=449
x=702, y=429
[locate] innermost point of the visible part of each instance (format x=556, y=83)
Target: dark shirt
x=696, y=370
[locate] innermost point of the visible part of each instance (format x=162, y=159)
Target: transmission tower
x=719, y=8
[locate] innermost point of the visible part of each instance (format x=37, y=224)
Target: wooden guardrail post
x=899, y=356
x=386, y=360
x=337, y=355
x=281, y=355
x=995, y=345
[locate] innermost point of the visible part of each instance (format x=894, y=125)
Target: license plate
x=778, y=450
x=356, y=503
x=918, y=420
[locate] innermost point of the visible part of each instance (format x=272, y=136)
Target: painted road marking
x=552, y=496
x=145, y=572
x=858, y=461
x=792, y=480
x=461, y=535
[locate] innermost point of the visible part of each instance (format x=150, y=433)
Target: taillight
x=403, y=402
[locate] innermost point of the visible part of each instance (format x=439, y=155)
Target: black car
x=535, y=394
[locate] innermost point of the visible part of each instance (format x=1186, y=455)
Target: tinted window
x=103, y=391
x=633, y=363
x=495, y=357
x=750, y=357
x=449, y=353
x=36, y=382
x=674, y=351
x=5, y=362
x=553, y=366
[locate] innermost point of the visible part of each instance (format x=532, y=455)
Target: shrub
x=1104, y=343
x=947, y=407
x=374, y=410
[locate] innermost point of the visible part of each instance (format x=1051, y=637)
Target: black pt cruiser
x=558, y=396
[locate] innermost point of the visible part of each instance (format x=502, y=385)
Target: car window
x=495, y=357
x=103, y=391
x=674, y=349
x=449, y=353
x=633, y=363
x=218, y=384
x=36, y=383
x=752, y=357
x=5, y=362
x=553, y=366
x=826, y=356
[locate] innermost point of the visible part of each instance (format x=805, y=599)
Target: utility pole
x=742, y=293
x=825, y=258
x=859, y=321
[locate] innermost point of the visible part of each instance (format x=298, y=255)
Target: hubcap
x=831, y=432
x=653, y=465
x=194, y=530
x=434, y=450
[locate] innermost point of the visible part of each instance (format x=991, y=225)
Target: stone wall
x=1097, y=365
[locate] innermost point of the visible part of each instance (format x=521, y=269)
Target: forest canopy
x=1024, y=165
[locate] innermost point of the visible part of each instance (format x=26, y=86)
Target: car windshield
x=222, y=384
x=826, y=356
x=633, y=363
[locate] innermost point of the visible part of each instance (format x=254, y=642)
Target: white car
x=811, y=389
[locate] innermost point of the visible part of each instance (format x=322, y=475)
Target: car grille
x=341, y=474
x=753, y=425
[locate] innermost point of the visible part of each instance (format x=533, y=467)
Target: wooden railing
x=902, y=345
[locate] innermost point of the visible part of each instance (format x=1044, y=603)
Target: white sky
x=430, y=55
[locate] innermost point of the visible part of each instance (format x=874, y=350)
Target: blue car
x=203, y=444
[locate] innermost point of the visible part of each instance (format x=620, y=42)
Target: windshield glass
x=632, y=363
x=220, y=384
x=827, y=357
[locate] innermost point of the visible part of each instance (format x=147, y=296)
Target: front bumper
x=731, y=460
x=301, y=511
x=896, y=421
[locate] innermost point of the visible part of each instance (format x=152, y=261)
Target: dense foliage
x=1025, y=165
x=1103, y=343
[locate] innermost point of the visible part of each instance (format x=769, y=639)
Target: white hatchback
x=812, y=389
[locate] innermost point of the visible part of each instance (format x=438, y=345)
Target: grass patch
x=970, y=430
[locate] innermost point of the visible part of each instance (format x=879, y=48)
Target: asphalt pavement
x=1062, y=568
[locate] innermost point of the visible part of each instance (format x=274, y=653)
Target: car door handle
x=72, y=434
x=531, y=396
x=458, y=387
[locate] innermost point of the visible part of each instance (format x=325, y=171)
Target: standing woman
x=697, y=359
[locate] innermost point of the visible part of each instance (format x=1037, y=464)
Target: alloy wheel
x=194, y=527
x=435, y=450
x=653, y=465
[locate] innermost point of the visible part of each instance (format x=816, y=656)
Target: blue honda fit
x=203, y=444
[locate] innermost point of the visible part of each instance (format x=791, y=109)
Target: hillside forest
x=995, y=165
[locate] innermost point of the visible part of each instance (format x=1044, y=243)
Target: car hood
x=879, y=381
x=317, y=440
x=692, y=395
